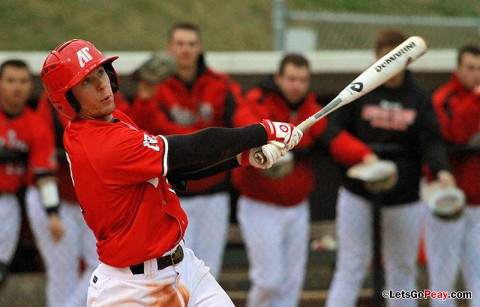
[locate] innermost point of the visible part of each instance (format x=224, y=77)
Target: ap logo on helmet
x=83, y=56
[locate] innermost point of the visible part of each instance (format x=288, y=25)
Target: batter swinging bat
x=381, y=71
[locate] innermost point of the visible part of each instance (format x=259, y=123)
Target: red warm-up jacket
x=181, y=108
x=266, y=101
x=458, y=112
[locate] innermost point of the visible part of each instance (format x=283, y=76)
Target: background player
x=452, y=245
x=67, y=281
x=273, y=210
x=119, y=173
x=23, y=150
x=196, y=97
x=398, y=122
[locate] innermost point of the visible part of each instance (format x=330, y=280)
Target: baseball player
x=119, y=173
x=194, y=98
x=454, y=245
x=398, y=122
x=23, y=151
x=273, y=210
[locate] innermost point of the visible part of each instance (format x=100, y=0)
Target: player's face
x=186, y=47
x=95, y=96
x=293, y=82
x=15, y=88
x=468, y=71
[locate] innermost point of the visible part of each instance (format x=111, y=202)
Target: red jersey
x=458, y=112
x=119, y=174
x=298, y=184
x=179, y=108
x=25, y=135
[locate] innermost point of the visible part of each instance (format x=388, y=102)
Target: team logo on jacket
x=389, y=115
x=205, y=111
x=150, y=142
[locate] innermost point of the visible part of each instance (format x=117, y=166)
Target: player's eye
x=100, y=72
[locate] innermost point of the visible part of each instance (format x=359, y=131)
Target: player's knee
x=265, y=294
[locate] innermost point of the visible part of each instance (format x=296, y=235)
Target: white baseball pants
x=400, y=236
x=208, y=222
x=188, y=283
x=10, y=217
x=276, y=240
x=452, y=246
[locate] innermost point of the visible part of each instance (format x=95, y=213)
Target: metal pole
x=378, y=278
x=278, y=24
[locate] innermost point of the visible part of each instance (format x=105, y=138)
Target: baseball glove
x=377, y=176
x=447, y=203
x=156, y=69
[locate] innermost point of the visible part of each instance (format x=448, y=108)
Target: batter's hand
x=271, y=153
x=445, y=178
x=285, y=133
x=55, y=227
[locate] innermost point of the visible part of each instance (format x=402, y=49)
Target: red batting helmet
x=66, y=66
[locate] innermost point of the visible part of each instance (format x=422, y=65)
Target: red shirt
x=26, y=134
x=178, y=108
x=458, y=112
x=297, y=185
x=119, y=177
x=56, y=123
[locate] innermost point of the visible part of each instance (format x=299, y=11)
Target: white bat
x=381, y=71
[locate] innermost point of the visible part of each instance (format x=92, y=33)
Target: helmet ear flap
x=112, y=75
x=73, y=101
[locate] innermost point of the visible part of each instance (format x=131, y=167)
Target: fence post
x=278, y=24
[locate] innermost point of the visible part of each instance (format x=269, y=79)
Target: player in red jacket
x=120, y=178
x=273, y=209
x=26, y=148
x=196, y=97
x=455, y=245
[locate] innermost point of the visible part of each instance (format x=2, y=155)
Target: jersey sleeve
x=130, y=156
x=42, y=153
x=459, y=116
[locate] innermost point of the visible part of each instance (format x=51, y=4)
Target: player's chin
x=107, y=108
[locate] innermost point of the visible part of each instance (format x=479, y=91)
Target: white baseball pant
x=451, y=246
x=66, y=284
x=208, y=222
x=10, y=223
x=400, y=238
x=276, y=240
x=189, y=283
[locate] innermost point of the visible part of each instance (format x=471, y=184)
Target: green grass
x=227, y=25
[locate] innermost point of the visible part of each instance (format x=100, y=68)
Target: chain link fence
x=345, y=31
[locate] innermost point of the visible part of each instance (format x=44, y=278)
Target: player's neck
x=187, y=75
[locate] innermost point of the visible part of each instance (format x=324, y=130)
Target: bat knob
x=259, y=157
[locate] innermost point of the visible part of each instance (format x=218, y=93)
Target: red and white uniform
x=118, y=218
x=274, y=214
x=179, y=108
x=22, y=135
x=455, y=245
x=135, y=215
